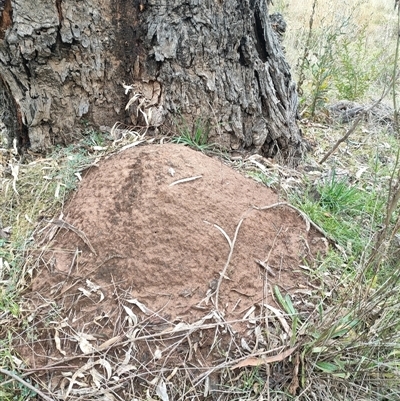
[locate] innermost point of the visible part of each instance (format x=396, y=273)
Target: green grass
x=15, y=391
x=259, y=176
x=11, y=390
x=342, y=210
x=196, y=138
x=337, y=195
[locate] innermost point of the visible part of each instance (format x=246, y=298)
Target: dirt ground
x=137, y=245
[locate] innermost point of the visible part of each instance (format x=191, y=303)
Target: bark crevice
x=219, y=61
x=259, y=34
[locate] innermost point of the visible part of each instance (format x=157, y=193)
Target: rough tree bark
x=220, y=61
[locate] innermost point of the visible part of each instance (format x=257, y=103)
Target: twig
x=265, y=266
x=185, y=180
x=306, y=50
x=348, y=133
x=355, y=124
x=105, y=261
x=307, y=220
x=25, y=383
x=232, y=246
x=79, y=233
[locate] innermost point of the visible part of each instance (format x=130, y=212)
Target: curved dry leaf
x=88, y=367
x=14, y=173
x=256, y=361
x=57, y=191
x=249, y=313
x=78, y=373
x=141, y=306
x=109, y=343
x=106, y=365
x=132, y=100
x=157, y=354
x=86, y=293
x=161, y=390
x=124, y=369
x=280, y=317
x=131, y=315
x=83, y=341
x=58, y=342
x=179, y=327
x=173, y=373
x=127, y=356
x=206, y=386
x=259, y=335
x=97, y=377
x=85, y=346
x=361, y=171
x=132, y=334
x=17, y=361
x=92, y=286
x=244, y=345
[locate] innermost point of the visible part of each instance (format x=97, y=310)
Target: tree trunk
x=215, y=61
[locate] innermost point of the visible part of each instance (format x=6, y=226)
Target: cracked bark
x=62, y=61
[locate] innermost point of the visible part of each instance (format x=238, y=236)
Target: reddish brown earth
x=160, y=244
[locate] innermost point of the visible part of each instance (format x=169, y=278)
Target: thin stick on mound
x=231, y=246
x=185, y=180
x=232, y=243
x=63, y=224
x=307, y=220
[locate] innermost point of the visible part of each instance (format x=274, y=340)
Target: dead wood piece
x=26, y=384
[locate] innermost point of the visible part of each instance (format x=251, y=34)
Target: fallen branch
x=348, y=133
x=355, y=124
x=25, y=383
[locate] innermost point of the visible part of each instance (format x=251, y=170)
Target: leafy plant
x=316, y=66
x=357, y=67
x=321, y=70
x=337, y=60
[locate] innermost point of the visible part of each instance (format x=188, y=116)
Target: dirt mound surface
x=162, y=235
